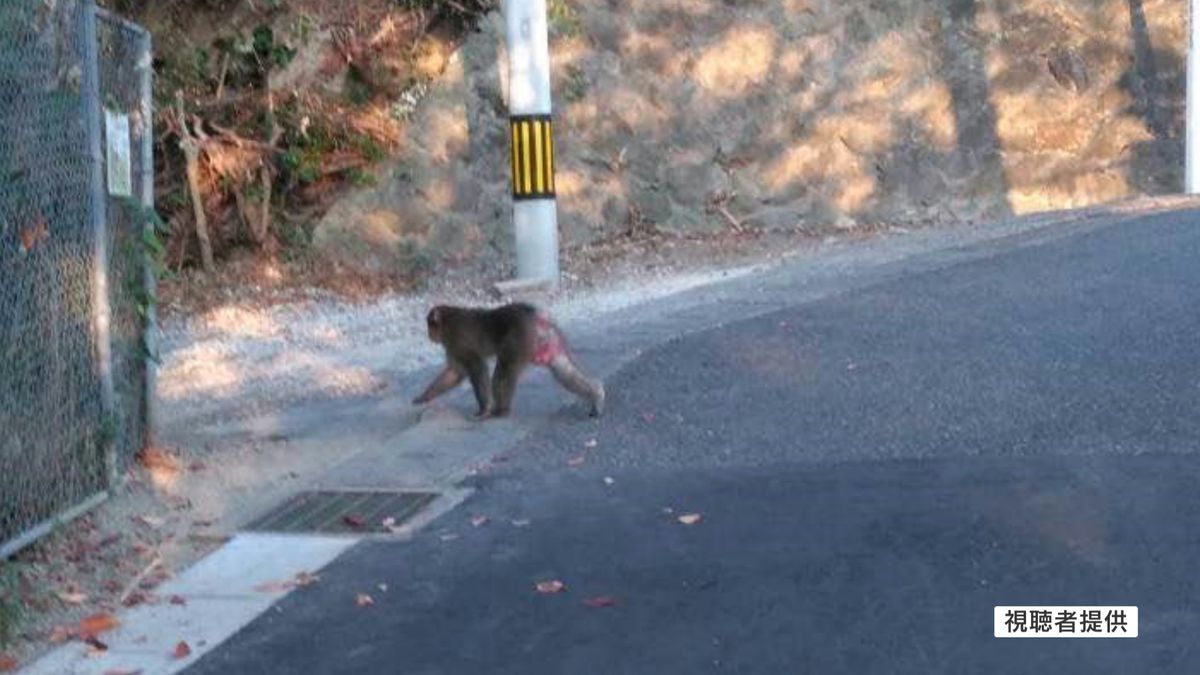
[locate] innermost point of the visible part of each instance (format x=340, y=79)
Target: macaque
x=516, y=335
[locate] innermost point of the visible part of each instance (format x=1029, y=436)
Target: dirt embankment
x=700, y=115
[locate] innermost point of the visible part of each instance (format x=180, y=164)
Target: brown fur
x=471, y=336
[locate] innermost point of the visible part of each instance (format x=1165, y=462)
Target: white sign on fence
x=120, y=176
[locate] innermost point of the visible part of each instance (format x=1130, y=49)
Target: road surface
x=874, y=472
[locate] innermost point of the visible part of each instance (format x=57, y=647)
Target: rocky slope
x=696, y=115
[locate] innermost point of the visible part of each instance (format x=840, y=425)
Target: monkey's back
x=504, y=328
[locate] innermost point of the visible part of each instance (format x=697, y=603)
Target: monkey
x=516, y=334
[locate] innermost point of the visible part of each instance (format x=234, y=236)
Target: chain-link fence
x=74, y=112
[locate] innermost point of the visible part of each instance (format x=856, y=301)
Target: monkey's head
x=433, y=321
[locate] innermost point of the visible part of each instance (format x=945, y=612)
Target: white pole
x=1192, y=150
x=535, y=217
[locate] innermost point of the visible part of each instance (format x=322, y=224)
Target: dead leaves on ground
x=600, y=601
x=182, y=650
x=364, y=600
x=554, y=586
x=480, y=521
x=8, y=664
x=550, y=586
x=72, y=597
x=162, y=466
x=95, y=624
x=299, y=581
x=95, y=648
x=690, y=518
x=152, y=522
x=60, y=634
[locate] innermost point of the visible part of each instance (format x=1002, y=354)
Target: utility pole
x=1192, y=148
x=535, y=213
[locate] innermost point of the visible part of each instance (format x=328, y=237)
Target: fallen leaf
x=521, y=522
x=591, y=443
x=388, y=522
x=197, y=466
x=98, y=623
x=274, y=586
x=690, y=518
x=307, y=578
x=203, y=523
x=600, y=601
x=61, y=634
x=364, y=600
x=575, y=461
x=178, y=600
x=8, y=664
x=552, y=586
x=301, y=579
x=162, y=466
x=354, y=520
x=124, y=671
x=134, y=599
x=153, y=522
x=448, y=536
x=73, y=597
x=480, y=521
x=608, y=480
x=108, y=541
x=95, y=646
x=383, y=588
x=34, y=232
x=182, y=650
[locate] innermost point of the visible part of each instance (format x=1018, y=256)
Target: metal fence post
x=150, y=337
x=101, y=312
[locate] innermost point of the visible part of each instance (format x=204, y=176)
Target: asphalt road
x=875, y=471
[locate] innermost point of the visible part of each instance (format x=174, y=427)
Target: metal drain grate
x=343, y=512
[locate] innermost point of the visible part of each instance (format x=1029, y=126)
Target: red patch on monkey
x=547, y=343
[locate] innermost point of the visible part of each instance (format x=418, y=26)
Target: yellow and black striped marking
x=532, y=157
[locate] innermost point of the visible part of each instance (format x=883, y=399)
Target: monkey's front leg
x=444, y=382
x=481, y=382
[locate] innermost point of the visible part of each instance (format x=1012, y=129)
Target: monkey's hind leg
x=481, y=382
x=572, y=378
x=444, y=382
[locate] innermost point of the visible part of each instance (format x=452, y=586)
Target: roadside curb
x=219, y=595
